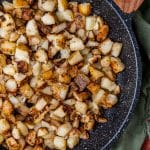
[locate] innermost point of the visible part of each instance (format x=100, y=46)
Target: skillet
x=104, y=135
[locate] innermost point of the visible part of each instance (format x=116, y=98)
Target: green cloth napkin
x=134, y=135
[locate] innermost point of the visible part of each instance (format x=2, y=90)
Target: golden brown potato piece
x=85, y=9
x=103, y=33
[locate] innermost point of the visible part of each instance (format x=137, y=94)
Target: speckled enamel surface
x=103, y=135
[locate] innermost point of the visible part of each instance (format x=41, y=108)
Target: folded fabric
x=134, y=135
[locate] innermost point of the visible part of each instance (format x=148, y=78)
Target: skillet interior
x=104, y=135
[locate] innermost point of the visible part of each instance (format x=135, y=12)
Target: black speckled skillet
x=104, y=135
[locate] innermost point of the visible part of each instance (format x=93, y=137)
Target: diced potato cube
x=42, y=132
x=85, y=69
x=60, y=143
x=31, y=28
x=41, y=55
x=105, y=61
x=60, y=16
x=36, y=69
x=116, y=49
x=12, y=143
x=68, y=15
x=22, y=53
x=60, y=90
x=65, y=53
x=22, y=128
x=4, y=126
x=64, y=129
x=81, y=96
x=9, y=70
x=47, y=75
x=59, y=112
x=26, y=90
x=31, y=138
x=107, y=84
x=8, y=48
x=16, y=133
x=72, y=142
x=109, y=73
x=106, y=46
x=85, y=8
x=47, y=90
x=62, y=5
x=95, y=74
x=48, y=19
x=22, y=40
x=11, y=85
x=76, y=44
x=64, y=78
x=41, y=103
x=20, y=4
x=75, y=58
x=57, y=40
x=117, y=65
x=93, y=87
x=8, y=6
x=99, y=96
x=90, y=22
x=48, y=5
x=111, y=100
x=103, y=33
x=81, y=107
x=13, y=37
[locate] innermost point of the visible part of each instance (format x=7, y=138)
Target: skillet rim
x=126, y=19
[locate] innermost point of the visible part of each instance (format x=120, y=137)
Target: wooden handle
x=128, y=6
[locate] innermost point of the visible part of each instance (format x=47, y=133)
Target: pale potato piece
x=108, y=84
x=22, y=53
x=64, y=129
x=60, y=143
x=48, y=5
x=90, y=22
x=48, y=19
x=106, y=46
x=11, y=85
x=22, y=128
x=59, y=112
x=41, y=103
x=99, y=96
x=105, y=61
x=68, y=15
x=41, y=55
x=16, y=133
x=76, y=44
x=72, y=142
x=116, y=49
x=62, y=5
x=31, y=28
x=8, y=47
x=60, y=90
x=9, y=70
x=75, y=58
x=81, y=107
x=4, y=126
